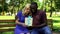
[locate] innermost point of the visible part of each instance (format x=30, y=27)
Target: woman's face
x=27, y=10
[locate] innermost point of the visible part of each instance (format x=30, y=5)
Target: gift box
x=28, y=21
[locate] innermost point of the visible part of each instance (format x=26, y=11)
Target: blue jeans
x=44, y=30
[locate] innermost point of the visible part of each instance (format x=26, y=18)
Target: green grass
x=7, y=17
x=56, y=22
x=8, y=32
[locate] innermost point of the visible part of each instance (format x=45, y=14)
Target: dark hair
x=34, y=3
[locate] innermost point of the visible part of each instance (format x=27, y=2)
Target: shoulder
x=19, y=12
x=41, y=12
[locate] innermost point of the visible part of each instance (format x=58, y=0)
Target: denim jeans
x=44, y=30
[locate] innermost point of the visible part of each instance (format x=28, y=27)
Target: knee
x=28, y=33
x=48, y=32
x=21, y=33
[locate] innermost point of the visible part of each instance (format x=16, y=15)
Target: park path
x=56, y=33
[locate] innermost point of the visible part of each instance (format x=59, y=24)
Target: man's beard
x=33, y=11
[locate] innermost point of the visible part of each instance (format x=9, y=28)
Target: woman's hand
x=20, y=23
x=23, y=24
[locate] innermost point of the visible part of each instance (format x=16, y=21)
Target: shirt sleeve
x=43, y=17
x=18, y=15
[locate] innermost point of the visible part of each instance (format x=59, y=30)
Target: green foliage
x=0, y=8
x=57, y=2
x=20, y=4
x=5, y=7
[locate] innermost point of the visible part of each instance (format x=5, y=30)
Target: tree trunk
x=51, y=14
x=3, y=7
x=19, y=5
x=51, y=9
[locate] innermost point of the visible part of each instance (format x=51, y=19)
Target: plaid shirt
x=39, y=18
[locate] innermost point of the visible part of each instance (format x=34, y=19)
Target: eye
x=27, y=9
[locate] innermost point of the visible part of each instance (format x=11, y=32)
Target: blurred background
x=9, y=9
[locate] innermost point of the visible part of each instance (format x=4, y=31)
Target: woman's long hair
x=27, y=5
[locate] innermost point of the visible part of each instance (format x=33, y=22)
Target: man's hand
x=39, y=25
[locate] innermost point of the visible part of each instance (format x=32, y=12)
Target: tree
x=4, y=6
x=0, y=9
x=57, y=3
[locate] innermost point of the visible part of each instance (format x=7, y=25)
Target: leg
x=21, y=33
x=18, y=31
x=28, y=33
x=34, y=31
x=46, y=30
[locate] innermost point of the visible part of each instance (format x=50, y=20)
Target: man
x=39, y=20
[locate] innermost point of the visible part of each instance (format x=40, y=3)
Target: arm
x=43, y=19
x=19, y=23
x=17, y=20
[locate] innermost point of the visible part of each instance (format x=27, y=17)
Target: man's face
x=33, y=8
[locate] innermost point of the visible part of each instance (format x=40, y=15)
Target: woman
x=20, y=19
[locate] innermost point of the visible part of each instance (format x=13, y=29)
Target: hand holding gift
x=28, y=21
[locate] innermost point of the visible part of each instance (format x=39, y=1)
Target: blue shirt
x=21, y=19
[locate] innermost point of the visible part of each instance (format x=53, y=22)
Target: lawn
x=56, y=22
x=7, y=17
